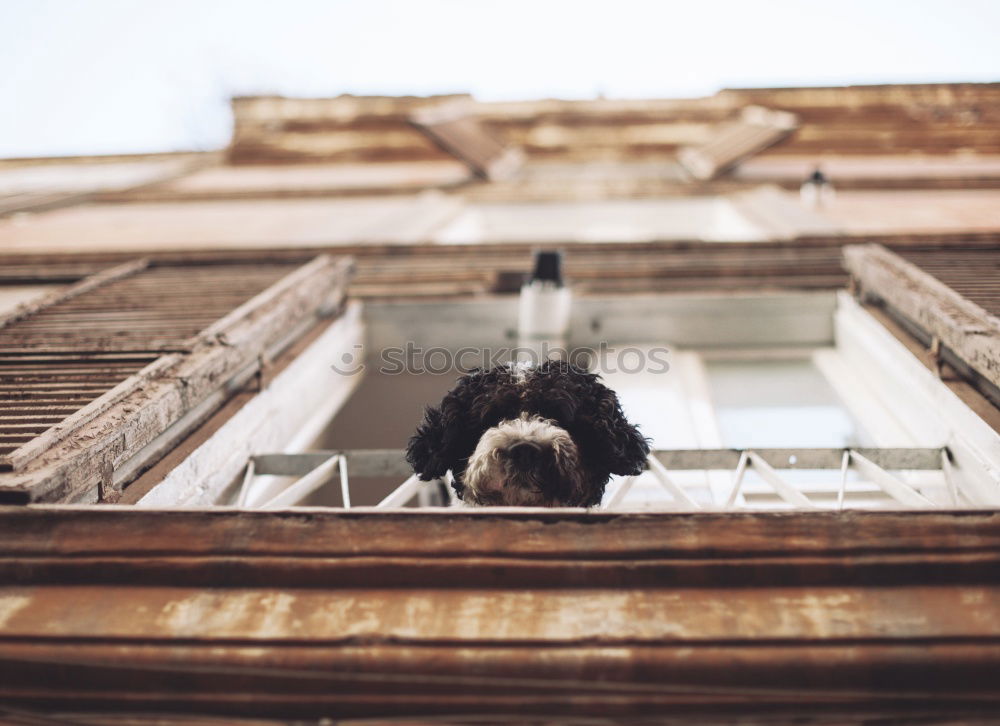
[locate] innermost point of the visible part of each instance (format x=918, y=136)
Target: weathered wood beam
x=381, y=250
x=757, y=129
x=457, y=131
x=559, y=614
x=312, y=544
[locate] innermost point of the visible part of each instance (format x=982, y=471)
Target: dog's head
x=545, y=436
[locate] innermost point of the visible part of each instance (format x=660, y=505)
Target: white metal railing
x=310, y=482
x=672, y=472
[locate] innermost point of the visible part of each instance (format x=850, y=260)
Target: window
x=784, y=401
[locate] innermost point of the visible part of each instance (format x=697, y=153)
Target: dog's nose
x=524, y=453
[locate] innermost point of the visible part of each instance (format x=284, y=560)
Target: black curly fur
x=571, y=397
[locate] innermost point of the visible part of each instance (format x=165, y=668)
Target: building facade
x=212, y=361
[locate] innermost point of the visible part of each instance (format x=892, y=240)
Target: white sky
x=107, y=76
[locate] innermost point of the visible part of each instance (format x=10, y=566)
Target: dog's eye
x=559, y=410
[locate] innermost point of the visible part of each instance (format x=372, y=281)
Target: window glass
x=780, y=404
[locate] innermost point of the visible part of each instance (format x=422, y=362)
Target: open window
x=767, y=400
x=784, y=400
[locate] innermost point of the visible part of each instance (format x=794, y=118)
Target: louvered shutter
x=91, y=377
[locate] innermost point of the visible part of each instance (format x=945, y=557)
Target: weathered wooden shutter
x=948, y=298
x=93, y=378
x=756, y=129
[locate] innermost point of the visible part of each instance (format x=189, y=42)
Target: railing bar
x=387, y=462
x=305, y=486
x=449, y=482
x=845, y=464
x=785, y=490
x=891, y=485
x=620, y=492
x=401, y=494
x=805, y=458
x=241, y=500
x=949, y=478
x=680, y=496
x=741, y=468
x=345, y=488
x=390, y=462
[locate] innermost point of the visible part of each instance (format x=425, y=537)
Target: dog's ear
x=626, y=448
x=449, y=432
x=425, y=451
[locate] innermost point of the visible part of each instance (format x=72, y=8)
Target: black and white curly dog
x=545, y=436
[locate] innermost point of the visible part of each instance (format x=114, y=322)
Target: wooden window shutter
x=949, y=298
x=756, y=129
x=95, y=376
